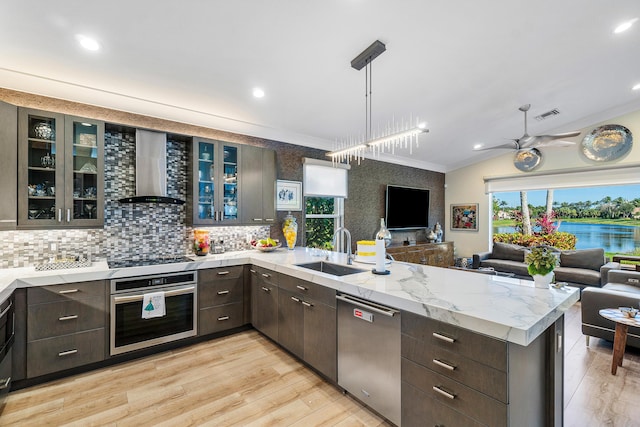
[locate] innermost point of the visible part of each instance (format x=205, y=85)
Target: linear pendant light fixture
x=396, y=135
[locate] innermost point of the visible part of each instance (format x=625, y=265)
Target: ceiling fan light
x=624, y=26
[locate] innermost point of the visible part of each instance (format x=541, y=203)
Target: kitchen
x=170, y=235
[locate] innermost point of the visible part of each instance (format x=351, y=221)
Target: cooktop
x=124, y=263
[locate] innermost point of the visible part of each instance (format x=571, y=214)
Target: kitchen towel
x=380, y=255
x=153, y=305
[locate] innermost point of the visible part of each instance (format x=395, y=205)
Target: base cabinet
x=66, y=326
x=220, y=299
x=264, y=301
x=435, y=254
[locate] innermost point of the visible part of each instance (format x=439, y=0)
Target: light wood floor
x=246, y=380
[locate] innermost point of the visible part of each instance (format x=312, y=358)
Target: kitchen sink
x=330, y=268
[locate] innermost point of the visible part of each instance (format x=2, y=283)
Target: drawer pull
x=222, y=273
x=68, y=291
x=302, y=288
x=443, y=365
x=67, y=353
x=265, y=289
x=307, y=304
x=443, y=337
x=4, y=383
x=269, y=219
x=265, y=275
x=257, y=219
x=253, y=271
x=72, y=317
x=223, y=292
x=221, y=318
x=295, y=299
x=444, y=393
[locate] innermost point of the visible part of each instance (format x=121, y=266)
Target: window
x=323, y=216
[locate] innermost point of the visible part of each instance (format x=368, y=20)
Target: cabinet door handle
x=4, y=383
x=68, y=352
x=295, y=299
x=444, y=393
x=223, y=292
x=221, y=318
x=302, y=288
x=71, y=317
x=444, y=365
x=266, y=289
x=265, y=275
x=68, y=215
x=222, y=273
x=257, y=219
x=269, y=219
x=307, y=304
x=59, y=215
x=253, y=271
x=68, y=291
x=443, y=337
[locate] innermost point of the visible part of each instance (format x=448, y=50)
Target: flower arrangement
x=541, y=261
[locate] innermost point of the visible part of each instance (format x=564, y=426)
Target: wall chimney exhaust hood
x=151, y=169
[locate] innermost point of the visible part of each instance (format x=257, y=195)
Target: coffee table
x=620, y=337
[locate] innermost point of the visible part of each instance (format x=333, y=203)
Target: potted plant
x=541, y=261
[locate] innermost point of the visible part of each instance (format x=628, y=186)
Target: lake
x=613, y=238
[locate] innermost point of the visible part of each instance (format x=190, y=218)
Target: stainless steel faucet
x=335, y=238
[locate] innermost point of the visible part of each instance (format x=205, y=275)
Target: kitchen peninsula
x=519, y=326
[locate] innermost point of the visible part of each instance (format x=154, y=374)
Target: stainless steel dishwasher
x=369, y=354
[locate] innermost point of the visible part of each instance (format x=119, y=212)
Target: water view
x=613, y=238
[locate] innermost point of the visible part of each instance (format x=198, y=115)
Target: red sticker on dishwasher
x=364, y=315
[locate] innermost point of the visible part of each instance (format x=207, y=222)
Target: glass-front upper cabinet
x=215, y=186
x=61, y=166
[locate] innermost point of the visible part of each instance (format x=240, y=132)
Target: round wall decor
x=606, y=143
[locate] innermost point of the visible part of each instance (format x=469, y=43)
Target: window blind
x=324, y=179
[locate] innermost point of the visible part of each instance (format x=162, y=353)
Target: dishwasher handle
x=377, y=308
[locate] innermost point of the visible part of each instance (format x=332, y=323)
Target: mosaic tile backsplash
x=138, y=231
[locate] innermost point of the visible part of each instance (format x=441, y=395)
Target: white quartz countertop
x=509, y=309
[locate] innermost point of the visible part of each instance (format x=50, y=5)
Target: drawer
x=478, y=347
x=215, y=274
x=419, y=409
x=65, y=317
x=66, y=352
x=490, y=381
x=53, y=293
x=461, y=398
x=264, y=275
x=308, y=290
x=224, y=286
x=220, y=318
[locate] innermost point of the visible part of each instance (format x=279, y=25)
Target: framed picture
x=288, y=195
x=464, y=217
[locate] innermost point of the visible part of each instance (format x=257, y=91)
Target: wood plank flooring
x=247, y=380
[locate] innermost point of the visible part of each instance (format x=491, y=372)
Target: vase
x=384, y=233
x=201, y=243
x=290, y=230
x=543, y=281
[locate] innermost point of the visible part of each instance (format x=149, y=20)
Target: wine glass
x=88, y=208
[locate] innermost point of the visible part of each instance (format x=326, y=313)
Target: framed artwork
x=288, y=195
x=464, y=217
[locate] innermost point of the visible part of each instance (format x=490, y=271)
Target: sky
x=539, y=197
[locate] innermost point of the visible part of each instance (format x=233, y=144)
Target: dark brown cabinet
x=8, y=165
x=258, y=185
x=220, y=299
x=66, y=326
x=307, y=323
x=61, y=173
x=264, y=301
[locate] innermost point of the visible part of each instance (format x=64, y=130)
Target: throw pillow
x=591, y=259
x=508, y=251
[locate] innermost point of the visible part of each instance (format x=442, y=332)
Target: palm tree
x=526, y=217
x=549, y=202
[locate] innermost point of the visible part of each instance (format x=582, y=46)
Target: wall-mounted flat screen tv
x=407, y=207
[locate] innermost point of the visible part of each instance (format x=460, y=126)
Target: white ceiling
x=463, y=66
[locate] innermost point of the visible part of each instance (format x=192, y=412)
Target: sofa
x=623, y=290
x=581, y=267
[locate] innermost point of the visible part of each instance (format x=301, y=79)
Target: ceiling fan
x=527, y=155
x=528, y=141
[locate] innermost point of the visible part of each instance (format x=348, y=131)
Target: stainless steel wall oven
x=130, y=331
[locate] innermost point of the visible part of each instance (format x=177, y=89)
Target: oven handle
x=131, y=298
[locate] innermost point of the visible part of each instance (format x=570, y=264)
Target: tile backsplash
x=137, y=231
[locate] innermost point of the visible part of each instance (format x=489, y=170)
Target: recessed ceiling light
x=636, y=87
x=478, y=146
x=258, y=93
x=87, y=42
x=624, y=26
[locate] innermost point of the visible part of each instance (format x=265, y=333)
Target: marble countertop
x=505, y=308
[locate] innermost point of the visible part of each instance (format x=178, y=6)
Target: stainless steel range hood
x=151, y=169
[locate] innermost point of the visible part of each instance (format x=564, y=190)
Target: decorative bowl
x=267, y=248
